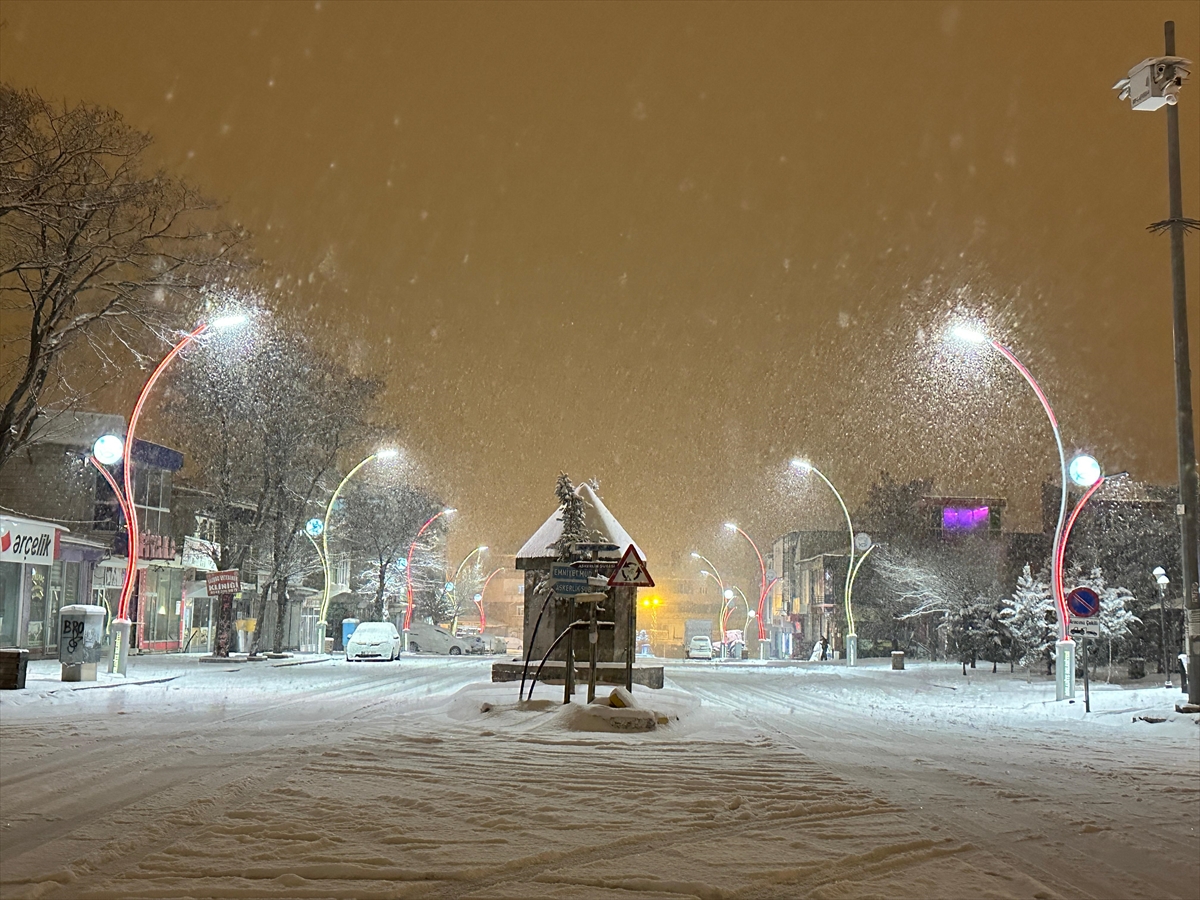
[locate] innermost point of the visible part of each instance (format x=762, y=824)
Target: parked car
x=426, y=638
x=700, y=647
x=476, y=643
x=373, y=640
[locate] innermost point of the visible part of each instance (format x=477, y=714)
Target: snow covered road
x=419, y=779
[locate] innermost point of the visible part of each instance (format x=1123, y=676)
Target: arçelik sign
x=23, y=541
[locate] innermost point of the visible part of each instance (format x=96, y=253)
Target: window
x=161, y=597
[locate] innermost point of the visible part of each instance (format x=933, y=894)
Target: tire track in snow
x=1087, y=875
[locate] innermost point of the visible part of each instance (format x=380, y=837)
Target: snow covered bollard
x=898, y=660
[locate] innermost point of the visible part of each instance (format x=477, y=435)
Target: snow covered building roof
x=596, y=518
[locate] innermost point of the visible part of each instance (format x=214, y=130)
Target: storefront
x=160, y=607
x=42, y=569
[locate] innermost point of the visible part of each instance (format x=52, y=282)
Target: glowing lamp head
x=449, y=511
x=449, y=585
x=695, y=555
x=731, y=526
x=108, y=449
x=388, y=453
x=313, y=527
x=478, y=598
x=802, y=465
x=728, y=595
x=225, y=322
x=968, y=334
x=483, y=548
x=1084, y=470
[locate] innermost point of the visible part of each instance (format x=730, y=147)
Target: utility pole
x=1188, y=492
x=1151, y=84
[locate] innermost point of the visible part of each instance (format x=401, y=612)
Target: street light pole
x=716, y=576
x=408, y=612
x=851, y=569
x=121, y=624
x=1064, y=658
x=324, y=553
x=454, y=583
x=763, y=586
x=479, y=596
x=1161, y=579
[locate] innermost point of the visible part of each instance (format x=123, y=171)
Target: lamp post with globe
x=323, y=533
x=1161, y=579
x=804, y=467
x=1064, y=647
x=106, y=449
x=408, y=585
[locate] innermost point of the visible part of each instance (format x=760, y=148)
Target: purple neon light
x=959, y=519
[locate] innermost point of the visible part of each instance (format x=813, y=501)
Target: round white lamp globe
x=1084, y=470
x=108, y=449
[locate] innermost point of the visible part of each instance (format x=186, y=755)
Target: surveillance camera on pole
x=1154, y=82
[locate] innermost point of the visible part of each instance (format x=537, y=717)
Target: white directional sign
x=567, y=581
x=1079, y=628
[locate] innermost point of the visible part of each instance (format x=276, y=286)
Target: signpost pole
x=569, y=674
x=1087, y=698
x=631, y=642
x=593, y=642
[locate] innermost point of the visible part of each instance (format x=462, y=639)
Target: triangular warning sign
x=631, y=571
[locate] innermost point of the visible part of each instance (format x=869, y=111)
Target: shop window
x=10, y=602
x=39, y=590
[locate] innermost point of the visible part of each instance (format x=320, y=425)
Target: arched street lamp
x=764, y=586
x=389, y=453
x=121, y=623
x=715, y=576
x=452, y=586
x=1065, y=647
x=408, y=612
x=479, y=597
x=804, y=467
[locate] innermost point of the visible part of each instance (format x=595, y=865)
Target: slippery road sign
x=631, y=571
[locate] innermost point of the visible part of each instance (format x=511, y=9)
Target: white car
x=699, y=647
x=373, y=640
x=426, y=638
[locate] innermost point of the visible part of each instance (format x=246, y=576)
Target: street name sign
x=631, y=571
x=567, y=581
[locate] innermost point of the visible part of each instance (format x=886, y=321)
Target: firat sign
x=27, y=542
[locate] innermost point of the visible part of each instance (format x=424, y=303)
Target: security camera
x=1154, y=82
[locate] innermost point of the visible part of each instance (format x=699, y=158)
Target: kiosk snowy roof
x=596, y=517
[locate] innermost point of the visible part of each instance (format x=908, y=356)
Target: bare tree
x=382, y=517
x=94, y=251
x=266, y=423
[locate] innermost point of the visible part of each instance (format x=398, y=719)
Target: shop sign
x=150, y=546
x=227, y=582
x=200, y=554
x=22, y=541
